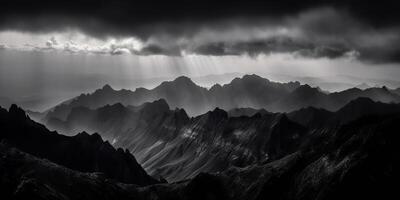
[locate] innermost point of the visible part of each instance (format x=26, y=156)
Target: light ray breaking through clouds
x=61, y=75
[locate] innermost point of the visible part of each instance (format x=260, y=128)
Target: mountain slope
x=301, y=97
x=311, y=117
x=362, y=107
x=24, y=176
x=169, y=143
x=355, y=161
x=83, y=152
x=348, y=164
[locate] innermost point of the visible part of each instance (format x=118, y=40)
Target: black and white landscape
x=202, y=100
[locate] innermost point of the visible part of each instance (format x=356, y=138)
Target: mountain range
x=170, y=144
x=250, y=91
x=353, y=160
x=249, y=139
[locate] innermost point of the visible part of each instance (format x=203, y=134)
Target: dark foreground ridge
x=83, y=152
x=357, y=160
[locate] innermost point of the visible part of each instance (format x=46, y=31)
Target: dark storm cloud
x=153, y=49
x=272, y=45
x=102, y=17
x=323, y=28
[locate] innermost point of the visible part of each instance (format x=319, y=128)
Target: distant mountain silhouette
x=306, y=96
x=82, y=152
x=381, y=94
x=362, y=106
x=250, y=91
x=301, y=97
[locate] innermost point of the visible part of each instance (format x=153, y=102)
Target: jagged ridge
x=83, y=152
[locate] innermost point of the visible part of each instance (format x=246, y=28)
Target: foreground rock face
x=83, y=152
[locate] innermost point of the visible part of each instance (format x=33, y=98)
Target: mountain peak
x=383, y=89
x=218, y=113
x=216, y=87
x=161, y=104
x=307, y=88
x=17, y=111
x=95, y=137
x=107, y=87
x=253, y=77
x=249, y=79
x=183, y=79
x=283, y=119
x=360, y=101
x=155, y=107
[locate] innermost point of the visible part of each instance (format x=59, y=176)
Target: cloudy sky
x=51, y=50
